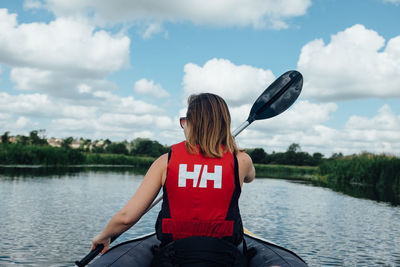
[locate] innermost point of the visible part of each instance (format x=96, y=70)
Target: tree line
x=35, y=149
x=137, y=147
x=143, y=147
x=150, y=148
x=292, y=156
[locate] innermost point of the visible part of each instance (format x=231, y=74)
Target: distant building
x=76, y=144
x=55, y=142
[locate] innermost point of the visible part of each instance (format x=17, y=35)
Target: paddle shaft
x=89, y=257
x=92, y=254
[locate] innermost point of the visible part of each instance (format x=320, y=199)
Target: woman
x=201, y=179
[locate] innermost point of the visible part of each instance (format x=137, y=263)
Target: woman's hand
x=98, y=240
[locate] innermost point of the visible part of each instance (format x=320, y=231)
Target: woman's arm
x=246, y=168
x=136, y=206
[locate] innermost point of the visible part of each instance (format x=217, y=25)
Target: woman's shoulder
x=244, y=157
x=161, y=162
x=246, y=167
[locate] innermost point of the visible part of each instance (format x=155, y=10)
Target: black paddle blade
x=278, y=97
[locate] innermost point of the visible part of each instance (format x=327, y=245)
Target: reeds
x=285, y=171
x=380, y=171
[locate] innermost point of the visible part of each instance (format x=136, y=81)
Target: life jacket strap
x=199, y=251
x=183, y=229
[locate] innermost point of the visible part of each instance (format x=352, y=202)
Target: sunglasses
x=182, y=121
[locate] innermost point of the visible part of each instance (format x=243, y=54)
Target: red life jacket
x=200, y=197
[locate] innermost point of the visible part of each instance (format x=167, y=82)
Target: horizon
x=166, y=145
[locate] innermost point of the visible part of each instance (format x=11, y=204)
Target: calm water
x=50, y=219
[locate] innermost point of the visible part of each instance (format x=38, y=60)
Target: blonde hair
x=209, y=126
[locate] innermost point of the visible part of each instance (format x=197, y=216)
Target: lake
x=48, y=218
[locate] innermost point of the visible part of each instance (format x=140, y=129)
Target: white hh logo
x=215, y=176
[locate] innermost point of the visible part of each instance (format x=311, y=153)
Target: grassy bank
x=286, y=171
x=17, y=154
x=118, y=159
x=378, y=171
x=12, y=154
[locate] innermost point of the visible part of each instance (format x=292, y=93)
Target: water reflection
x=61, y=171
x=50, y=220
x=325, y=228
x=382, y=194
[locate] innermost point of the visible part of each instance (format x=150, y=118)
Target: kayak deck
x=138, y=252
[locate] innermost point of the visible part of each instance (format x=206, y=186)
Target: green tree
x=98, y=146
x=294, y=148
x=85, y=144
x=317, y=158
x=5, y=138
x=35, y=139
x=66, y=143
x=97, y=149
x=22, y=139
x=337, y=155
x=258, y=155
x=117, y=148
x=147, y=147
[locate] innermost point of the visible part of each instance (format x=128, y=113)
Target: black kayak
x=138, y=252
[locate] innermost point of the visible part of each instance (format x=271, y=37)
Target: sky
x=124, y=69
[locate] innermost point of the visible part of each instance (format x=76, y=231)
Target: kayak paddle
x=277, y=98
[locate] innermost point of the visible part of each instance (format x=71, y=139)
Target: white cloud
x=57, y=83
x=238, y=85
x=396, y=2
x=355, y=64
x=144, y=86
x=107, y=116
x=42, y=106
x=19, y=124
x=385, y=122
x=301, y=116
x=29, y=78
x=124, y=105
x=4, y=116
x=315, y=139
x=59, y=56
x=257, y=13
x=299, y=124
x=377, y=134
x=23, y=122
x=84, y=88
x=113, y=125
x=63, y=44
x=130, y=121
x=34, y=104
x=33, y=4
x=153, y=29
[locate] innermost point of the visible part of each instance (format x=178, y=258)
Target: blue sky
x=124, y=69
